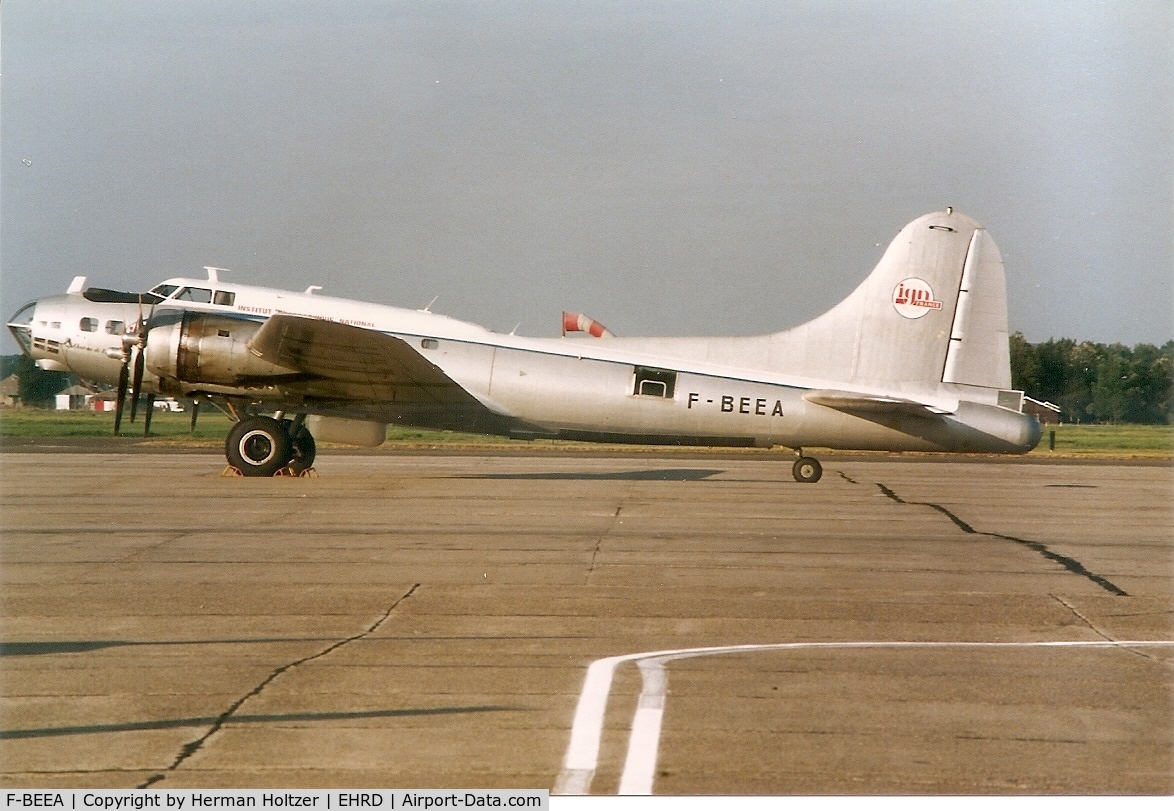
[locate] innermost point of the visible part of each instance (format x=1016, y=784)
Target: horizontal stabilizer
x=870, y=403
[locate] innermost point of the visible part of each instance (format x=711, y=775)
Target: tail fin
x=933, y=310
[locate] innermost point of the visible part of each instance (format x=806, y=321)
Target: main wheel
x=258, y=446
x=304, y=450
x=807, y=470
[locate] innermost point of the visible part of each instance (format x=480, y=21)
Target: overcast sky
x=664, y=167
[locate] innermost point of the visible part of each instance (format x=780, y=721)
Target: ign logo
x=913, y=298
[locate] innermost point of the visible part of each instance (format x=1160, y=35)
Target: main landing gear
x=268, y=446
x=806, y=469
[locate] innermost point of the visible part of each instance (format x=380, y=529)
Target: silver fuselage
x=656, y=390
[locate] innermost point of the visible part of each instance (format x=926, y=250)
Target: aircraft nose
x=21, y=326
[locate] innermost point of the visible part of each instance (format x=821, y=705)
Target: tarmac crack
x=1108, y=637
x=139, y=552
x=1069, y=563
x=1076, y=612
x=599, y=543
x=191, y=748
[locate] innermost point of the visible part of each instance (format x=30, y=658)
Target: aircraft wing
x=355, y=363
x=854, y=402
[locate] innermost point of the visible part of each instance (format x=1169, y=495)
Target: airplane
x=915, y=359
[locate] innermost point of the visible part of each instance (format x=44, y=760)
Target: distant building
x=104, y=400
x=10, y=391
x=1047, y=413
x=74, y=397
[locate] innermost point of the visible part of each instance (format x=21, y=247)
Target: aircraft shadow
x=88, y=645
x=42, y=648
x=666, y=475
x=204, y=721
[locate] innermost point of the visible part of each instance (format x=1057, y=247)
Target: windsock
x=577, y=322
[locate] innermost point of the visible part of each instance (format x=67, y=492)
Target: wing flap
x=871, y=403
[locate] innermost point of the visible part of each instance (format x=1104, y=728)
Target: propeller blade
x=143, y=329
x=147, y=416
x=195, y=414
x=136, y=388
x=123, y=376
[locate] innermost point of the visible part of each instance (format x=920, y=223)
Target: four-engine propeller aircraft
x=915, y=359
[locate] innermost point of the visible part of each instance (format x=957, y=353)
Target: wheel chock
x=308, y=473
x=231, y=472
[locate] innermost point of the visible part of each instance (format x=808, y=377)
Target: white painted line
x=644, y=740
x=587, y=728
x=582, y=756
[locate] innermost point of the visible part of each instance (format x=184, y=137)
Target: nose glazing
x=21, y=326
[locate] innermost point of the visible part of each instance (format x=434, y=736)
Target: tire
x=258, y=446
x=304, y=450
x=807, y=470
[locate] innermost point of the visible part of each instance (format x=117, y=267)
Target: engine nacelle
x=196, y=347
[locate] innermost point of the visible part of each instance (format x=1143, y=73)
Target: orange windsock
x=577, y=322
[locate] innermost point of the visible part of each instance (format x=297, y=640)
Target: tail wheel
x=258, y=446
x=807, y=470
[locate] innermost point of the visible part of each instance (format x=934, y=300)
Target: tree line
x=1105, y=383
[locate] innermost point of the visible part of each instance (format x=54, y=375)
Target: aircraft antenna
x=428, y=309
x=214, y=273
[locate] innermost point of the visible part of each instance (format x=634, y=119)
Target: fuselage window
x=89, y=325
x=224, y=298
x=115, y=328
x=199, y=295
x=429, y=343
x=655, y=382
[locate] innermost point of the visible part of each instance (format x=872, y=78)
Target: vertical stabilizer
x=934, y=309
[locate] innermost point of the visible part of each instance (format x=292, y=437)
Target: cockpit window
x=164, y=290
x=199, y=295
x=224, y=297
